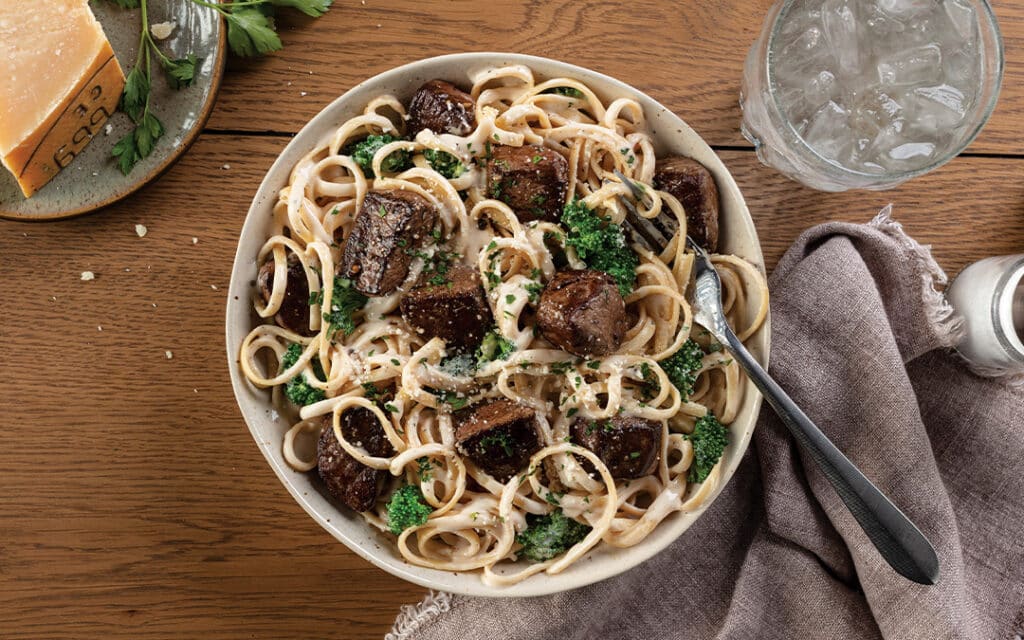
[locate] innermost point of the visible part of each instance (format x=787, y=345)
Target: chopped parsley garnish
x=373, y=392
x=451, y=398
x=650, y=386
x=500, y=439
x=571, y=92
x=533, y=290
x=554, y=497
x=424, y=466
x=559, y=368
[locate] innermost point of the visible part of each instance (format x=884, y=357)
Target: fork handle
x=897, y=539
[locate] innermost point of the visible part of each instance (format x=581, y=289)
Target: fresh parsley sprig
x=251, y=29
x=138, y=143
x=251, y=32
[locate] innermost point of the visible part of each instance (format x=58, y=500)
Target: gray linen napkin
x=860, y=341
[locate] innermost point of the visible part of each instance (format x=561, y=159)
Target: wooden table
x=133, y=503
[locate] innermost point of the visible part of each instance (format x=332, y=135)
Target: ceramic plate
x=670, y=135
x=93, y=180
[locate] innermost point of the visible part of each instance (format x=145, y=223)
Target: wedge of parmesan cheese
x=61, y=83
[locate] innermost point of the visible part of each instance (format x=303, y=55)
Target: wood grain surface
x=133, y=502
x=687, y=55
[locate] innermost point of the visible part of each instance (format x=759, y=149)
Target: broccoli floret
x=444, y=163
x=547, y=536
x=709, y=438
x=345, y=301
x=298, y=390
x=601, y=244
x=363, y=152
x=407, y=509
x=494, y=347
x=682, y=366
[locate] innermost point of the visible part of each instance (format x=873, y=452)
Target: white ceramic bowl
x=671, y=135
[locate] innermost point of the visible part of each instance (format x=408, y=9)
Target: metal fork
x=897, y=539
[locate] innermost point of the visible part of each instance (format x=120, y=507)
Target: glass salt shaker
x=866, y=94
x=989, y=295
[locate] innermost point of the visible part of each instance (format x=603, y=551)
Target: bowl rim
x=468, y=582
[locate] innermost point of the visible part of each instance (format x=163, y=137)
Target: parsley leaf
x=251, y=32
x=312, y=8
x=136, y=93
x=181, y=72
x=138, y=143
x=147, y=133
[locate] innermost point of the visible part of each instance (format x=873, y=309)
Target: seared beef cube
x=629, y=446
x=353, y=483
x=499, y=437
x=694, y=186
x=389, y=226
x=443, y=108
x=451, y=306
x=531, y=180
x=294, y=312
x=583, y=312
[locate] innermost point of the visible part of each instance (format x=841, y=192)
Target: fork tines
x=657, y=232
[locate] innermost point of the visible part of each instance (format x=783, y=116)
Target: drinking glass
x=866, y=94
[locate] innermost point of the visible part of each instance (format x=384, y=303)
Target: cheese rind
x=65, y=83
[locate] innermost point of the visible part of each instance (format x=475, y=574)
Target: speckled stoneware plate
x=670, y=134
x=93, y=179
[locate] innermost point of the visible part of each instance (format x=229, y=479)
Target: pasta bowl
x=670, y=135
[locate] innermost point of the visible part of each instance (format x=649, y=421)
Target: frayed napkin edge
x=416, y=617
x=947, y=324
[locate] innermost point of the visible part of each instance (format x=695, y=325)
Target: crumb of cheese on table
x=88, y=275
x=140, y=230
